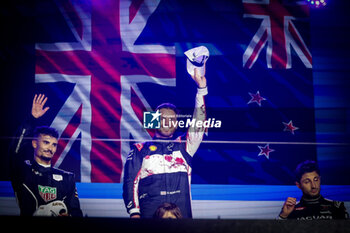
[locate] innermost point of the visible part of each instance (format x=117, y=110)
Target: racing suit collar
x=40, y=167
x=311, y=200
x=166, y=139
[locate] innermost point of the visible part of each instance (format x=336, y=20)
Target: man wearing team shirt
x=312, y=205
x=41, y=189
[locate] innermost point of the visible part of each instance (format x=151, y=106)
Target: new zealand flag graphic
x=114, y=60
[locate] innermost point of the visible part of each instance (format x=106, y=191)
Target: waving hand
x=38, y=109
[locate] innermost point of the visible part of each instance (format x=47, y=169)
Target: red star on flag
x=256, y=98
x=265, y=150
x=289, y=127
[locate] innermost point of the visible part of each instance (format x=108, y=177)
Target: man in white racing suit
x=159, y=171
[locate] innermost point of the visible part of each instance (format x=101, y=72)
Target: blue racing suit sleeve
x=132, y=178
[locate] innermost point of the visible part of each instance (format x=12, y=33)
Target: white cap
x=196, y=58
x=54, y=209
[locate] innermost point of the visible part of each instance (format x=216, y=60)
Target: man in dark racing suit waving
x=312, y=205
x=40, y=189
x=159, y=171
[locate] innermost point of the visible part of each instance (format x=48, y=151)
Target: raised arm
x=195, y=134
x=21, y=145
x=26, y=129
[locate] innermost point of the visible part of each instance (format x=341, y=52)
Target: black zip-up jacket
x=36, y=185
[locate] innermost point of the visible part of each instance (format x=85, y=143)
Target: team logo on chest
x=47, y=193
x=152, y=148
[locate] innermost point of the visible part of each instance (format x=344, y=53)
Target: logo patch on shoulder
x=139, y=146
x=57, y=177
x=337, y=204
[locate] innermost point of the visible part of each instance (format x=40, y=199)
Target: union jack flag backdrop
x=108, y=61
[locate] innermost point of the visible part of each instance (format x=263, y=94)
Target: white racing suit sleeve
x=195, y=132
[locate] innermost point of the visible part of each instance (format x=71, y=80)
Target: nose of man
x=51, y=149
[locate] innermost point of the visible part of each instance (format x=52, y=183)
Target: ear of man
x=34, y=144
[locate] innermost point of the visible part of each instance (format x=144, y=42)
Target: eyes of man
x=46, y=142
x=308, y=180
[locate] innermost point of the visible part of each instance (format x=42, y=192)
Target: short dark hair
x=168, y=106
x=45, y=130
x=305, y=167
x=167, y=207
